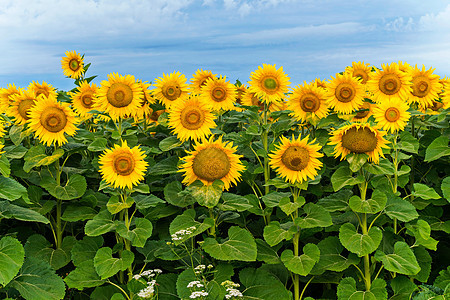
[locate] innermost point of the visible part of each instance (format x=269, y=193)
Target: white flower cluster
x=195, y=283
x=198, y=294
x=148, y=291
x=177, y=236
x=233, y=293
x=148, y=273
x=199, y=269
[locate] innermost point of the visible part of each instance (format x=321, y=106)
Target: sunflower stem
x=126, y=241
x=213, y=228
x=58, y=229
x=395, y=185
x=296, y=240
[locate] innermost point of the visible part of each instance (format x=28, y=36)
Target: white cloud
x=439, y=21
x=401, y=25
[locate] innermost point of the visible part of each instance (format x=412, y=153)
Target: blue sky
x=309, y=38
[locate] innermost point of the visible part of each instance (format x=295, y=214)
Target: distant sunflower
x=269, y=83
x=392, y=115
x=144, y=105
x=122, y=166
x=358, y=138
x=360, y=70
x=296, y=160
x=425, y=86
x=191, y=119
x=390, y=82
x=199, y=79
x=2, y=128
x=241, y=90
x=308, y=103
x=51, y=120
x=153, y=116
x=83, y=98
x=404, y=67
x=45, y=89
x=251, y=99
x=219, y=94
x=72, y=64
x=212, y=160
x=5, y=96
x=119, y=96
x=363, y=113
x=319, y=83
x=345, y=93
x=446, y=96
x=20, y=106
x=171, y=88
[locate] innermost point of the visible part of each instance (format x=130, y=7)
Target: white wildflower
x=198, y=294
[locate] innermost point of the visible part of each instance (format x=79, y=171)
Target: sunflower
x=20, y=106
x=72, y=65
x=119, y=96
x=358, y=138
x=345, y=93
x=404, y=67
x=5, y=96
x=251, y=99
x=2, y=128
x=360, y=70
x=199, y=79
x=122, y=166
x=191, y=119
x=144, y=106
x=45, y=89
x=171, y=88
x=446, y=96
x=241, y=90
x=212, y=160
x=296, y=160
x=392, y=115
x=153, y=116
x=363, y=113
x=219, y=94
x=308, y=102
x=390, y=82
x=269, y=83
x=50, y=120
x=83, y=98
x=425, y=86
x=319, y=83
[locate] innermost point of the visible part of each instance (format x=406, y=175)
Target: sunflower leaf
x=304, y=263
x=343, y=177
x=316, y=216
x=206, y=195
x=75, y=187
x=347, y=290
x=360, y=244
x=106, y=265
x=437, y=149
x=12, y=255
x=36, y=157
x=375, y=204
x=402, y=261
x=186, y=221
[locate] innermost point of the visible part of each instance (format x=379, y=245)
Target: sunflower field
x=202, y=188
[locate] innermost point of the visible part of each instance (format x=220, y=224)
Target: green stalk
x=264, y=136
x=59, y=230
x=395, y=186
x=213, y=228
x=367, y=279
x=296, y=241
x=126, y=241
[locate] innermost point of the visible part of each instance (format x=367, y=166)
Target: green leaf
x=331, y=258
x=99, y=144
x=36, y=157
x=397, y=208
x=384, y=167
x=11, y=189
x=261, y=285
x=16, y=134
x=437, y=149
x=445, y=187
x=170, y=143
x=422, y=231
x=375, y=204
x=274, y=233
x=174, y=194
x=165, y=166
x=343, y=177
x=37, y=280
x=5, y=166
x=361, y=244
x=443, y=279
x=408, y=142
x=240, y=246
x=8, y=211
x=289, y=207
x=85, y=249
x=74, y=212
x=356, y=161
x=206, y=195
x=183, y=280
x=186, y=221
x=273, y=199
x=402, y=261
x=316, y=216
x=402, y=287
x=266, y=253
x=424, y=192
x=100, y=224
x=346, y=290
x=84, y=276
x=115, y=205
x=337, y=201
x=138, y=235
x=147, y=201
x=106, y=265
x=234, y=202
x=424, y=260
x=304, y=263
x=12, y=255
x=74, y=188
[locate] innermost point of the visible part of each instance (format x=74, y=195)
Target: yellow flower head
x=296, y=160
x=123, y=166
x=269, y=83
x=171, y=88
x=360, y=70
x=20, y=106
x=392, y=115
x=144, y=109
x=363, y=113
x=45, y=89
x=72, y=65
x=446, y=96
x=319, y=83
x=5, y=96
x=83, y=98
x=218, y=94
x=308, y=103
x=199, y=79
x=425, y=86
x=345, y=93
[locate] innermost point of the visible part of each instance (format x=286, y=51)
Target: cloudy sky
x=309, y=38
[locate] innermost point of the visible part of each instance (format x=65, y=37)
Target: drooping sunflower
x=119, y=96
x=345, y=93
x=50, y=120
x=391, y=115
x=199, y=79
x=269, y=83
x=425, y=86
x=218, y=94
x=122, y=166
x=212, y=160
x=72, y=64
x=5, y=96
x=363, y=113
x=358, y=138
x=83, y=98
x=296, y=160
x=390, y=82
x=191, y=119
x=171, y=88
x=360, y=70
x=20, y=106
x=308, y=103
x=153, y=116
x=45, y=89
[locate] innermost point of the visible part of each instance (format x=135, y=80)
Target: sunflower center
x=364, y=110
x=119, y=95
x=74, y=65
x=309, y=103
x=392, y=114
x=295, y=158
x=53, y=119
x=389, y=84
x=124, y=164
x=171, y=92
x=362, y=75
x=24, y=106
x=218, y=94
x=86, y=100
x=270, y=83
x=359, y=140
x=192, y=118
x=211, y=164
x=420, y=86
x=40, y=91
x=345, y=92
